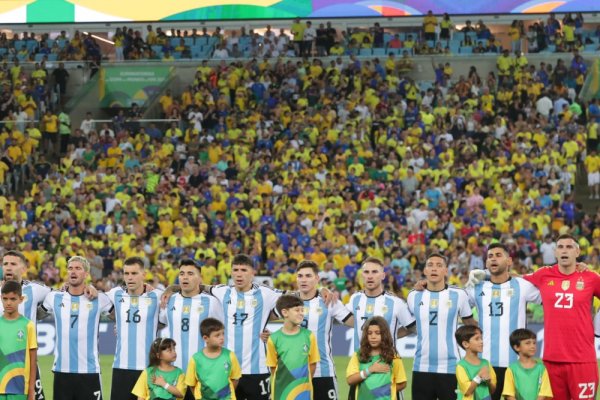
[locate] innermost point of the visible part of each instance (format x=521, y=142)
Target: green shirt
x=528, y=381
x=64, y=121
x=377, y=386
x=18, y=338
x=212, y=377
x=292, y=355
x=145, y=388
x=483, y=391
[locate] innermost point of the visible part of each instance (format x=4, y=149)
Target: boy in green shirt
x=476, y=377
x=18, y=347
x=292, y=353
x=213, y=372
x=527, y=378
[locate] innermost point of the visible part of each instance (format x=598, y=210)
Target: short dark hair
x=373, y=260
x=567, y=236
x=133, y=261
x=210, y=325
x=12, y=287
x=498, y=246
x=287, y=301
x=465, y=333
x=18, y=254
x=518, y=336
x=242, y=259
x=438, y=255
x=188, y=262
x=308, y=264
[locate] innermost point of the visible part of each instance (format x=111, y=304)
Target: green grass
x=106, y=365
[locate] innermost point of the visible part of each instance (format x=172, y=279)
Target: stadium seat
x=39, y=57
x=454, y=47
x=379, y=51
x=157, y=48
x=177, y=55
x=590, y=48
x=466, y=50
x=52, y=57
x=365, y=52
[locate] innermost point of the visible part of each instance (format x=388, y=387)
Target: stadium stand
x=286, y=160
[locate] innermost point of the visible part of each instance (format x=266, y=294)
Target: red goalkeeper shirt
x=568, y=302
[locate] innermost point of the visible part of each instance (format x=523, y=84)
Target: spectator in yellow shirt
x=429, y=25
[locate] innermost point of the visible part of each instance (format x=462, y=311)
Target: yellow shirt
x=430, y=22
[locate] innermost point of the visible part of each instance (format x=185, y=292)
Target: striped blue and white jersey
x=76, y=319
x=246, y=316
x=136, y=320
x=183, y=316
x=501, y=308
x=33, y=297
x=437, y=315
x=318, y=318
x=387, y=305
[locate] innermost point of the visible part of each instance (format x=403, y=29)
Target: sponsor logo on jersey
x=551, y=283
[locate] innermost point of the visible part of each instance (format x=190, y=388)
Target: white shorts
x=594, y=178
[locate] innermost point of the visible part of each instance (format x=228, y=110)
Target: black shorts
x=324, y=388
x=500, y=373
x=432, y=386
x=189, y=394
x=39, y=390
x=254, y=387
x=123, y=382
x=77, y=386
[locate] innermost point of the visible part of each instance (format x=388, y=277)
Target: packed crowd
x=332, y=163
x=436, y=35
x=29, y=47
x=303, y=39
x=27, y=97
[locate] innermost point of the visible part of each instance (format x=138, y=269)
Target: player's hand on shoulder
x=164, y=299
x=90, y=292
x=329, y=296
x=420, y=285
x=379, y=367
x=475, y=277
x=581, y=267
x=148, y=287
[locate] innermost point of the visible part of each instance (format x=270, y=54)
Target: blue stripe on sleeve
x=256, y=329
x=92, y=334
